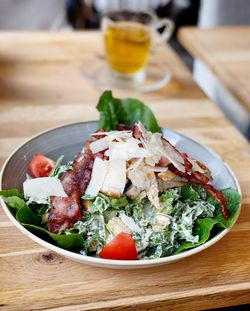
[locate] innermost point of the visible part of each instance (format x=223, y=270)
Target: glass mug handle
x=166, y=34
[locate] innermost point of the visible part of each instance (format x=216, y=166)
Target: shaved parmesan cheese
x=152, y=161
x=99, y=145
x=141, y=153
x=126, y=150
x=129, y=222
x=158, y=147
x=115, y=134
x=115, y=179
x=98, y=174
x=40, y=189
x=117, y=150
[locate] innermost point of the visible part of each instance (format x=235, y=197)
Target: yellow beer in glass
x=128, y=38
x=127, y=46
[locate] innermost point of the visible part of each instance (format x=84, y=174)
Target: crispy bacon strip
x=82, y=168
x=122, y=127
x=202, y=178
x=218, y=196
x=187, y=164
x=96, y=137
x=64, y=213
x=70, y=184
x=76, y=181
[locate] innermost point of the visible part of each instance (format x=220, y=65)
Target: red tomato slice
x=122, y=247
x=40, y=166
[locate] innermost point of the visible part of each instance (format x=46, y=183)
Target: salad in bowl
x=129, y=194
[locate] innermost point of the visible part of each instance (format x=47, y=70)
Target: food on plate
x=128, y=195
x=40, y=166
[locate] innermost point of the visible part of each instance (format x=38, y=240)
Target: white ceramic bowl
x=68, y=140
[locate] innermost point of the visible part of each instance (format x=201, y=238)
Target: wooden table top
x=41, y=86
x=226, y=52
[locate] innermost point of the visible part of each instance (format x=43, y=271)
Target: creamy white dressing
x=129, y=222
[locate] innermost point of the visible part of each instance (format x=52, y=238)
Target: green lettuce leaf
x=233, y=204
x=202, y=228
x=125, y=111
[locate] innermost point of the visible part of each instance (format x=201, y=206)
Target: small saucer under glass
x=155, y=75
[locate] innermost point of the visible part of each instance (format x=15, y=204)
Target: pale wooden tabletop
x=226, y=52
x=41, y=86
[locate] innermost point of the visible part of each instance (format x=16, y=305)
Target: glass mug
x=129, y=36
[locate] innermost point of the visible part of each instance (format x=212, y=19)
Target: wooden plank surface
x=40, y=87
x=226, y=52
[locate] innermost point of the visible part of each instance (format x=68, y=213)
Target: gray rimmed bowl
x=68, y=140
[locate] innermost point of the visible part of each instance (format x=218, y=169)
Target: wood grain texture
x=41, y=87
x=226, y=52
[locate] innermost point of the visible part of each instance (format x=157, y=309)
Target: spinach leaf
x=66, y=241
x=25, y=215
x=11, y=193
x=40, y=211
x=125, y=111
x=15, y=203
x=13, y=199
x=28, y=219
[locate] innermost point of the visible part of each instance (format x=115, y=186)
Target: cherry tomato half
x=40, y=166
x=122, y=247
